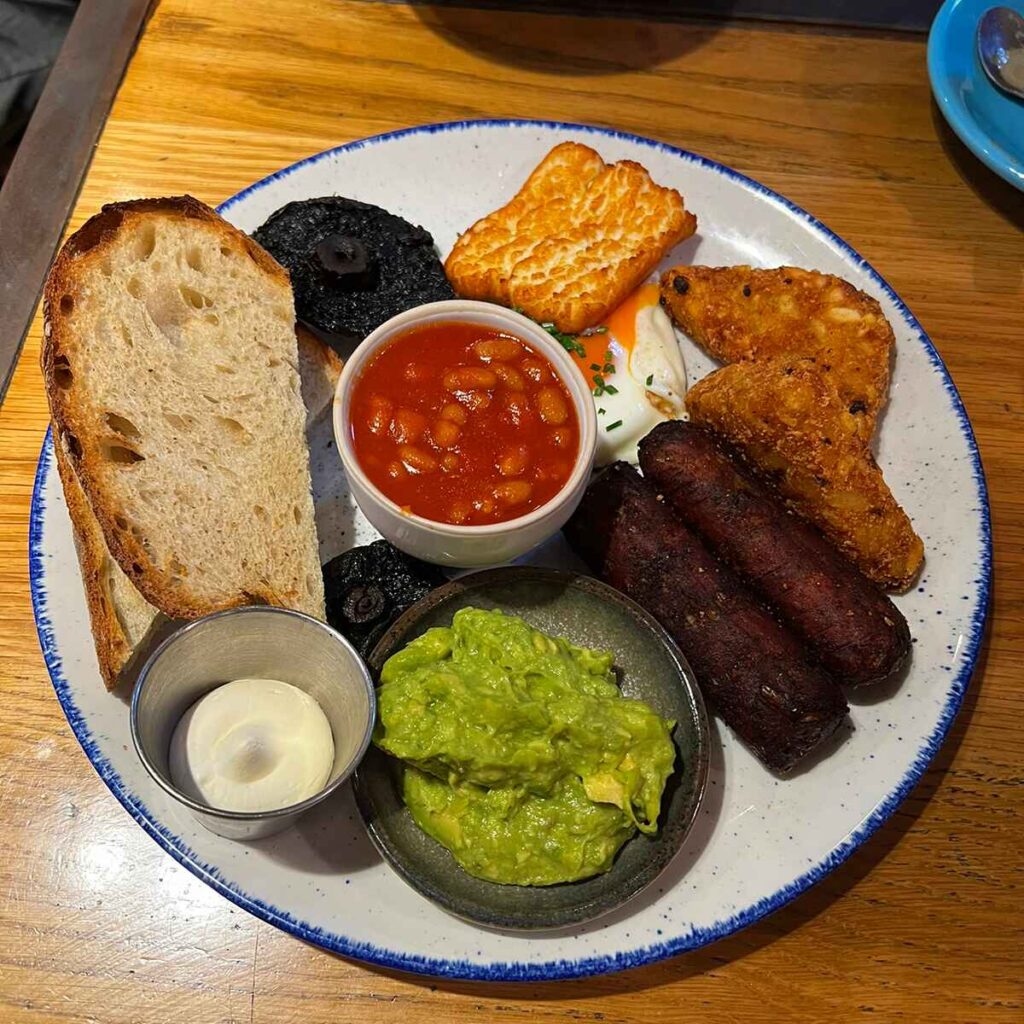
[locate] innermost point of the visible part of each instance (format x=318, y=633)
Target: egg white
x=636, y=407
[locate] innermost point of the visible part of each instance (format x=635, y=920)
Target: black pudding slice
x=352, y=265
x=368, y=587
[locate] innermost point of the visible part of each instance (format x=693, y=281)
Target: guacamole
x=521, y=755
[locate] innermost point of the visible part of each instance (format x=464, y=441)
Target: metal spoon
x=1001, y=48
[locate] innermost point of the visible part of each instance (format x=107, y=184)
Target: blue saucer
x=989, y=122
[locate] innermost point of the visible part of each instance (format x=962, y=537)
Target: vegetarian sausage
x=853, y=629
x=751, y=670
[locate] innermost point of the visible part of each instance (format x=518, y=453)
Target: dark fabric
x=31, y=33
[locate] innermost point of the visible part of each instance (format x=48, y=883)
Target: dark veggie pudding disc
x=368, y=587
x=352, y=265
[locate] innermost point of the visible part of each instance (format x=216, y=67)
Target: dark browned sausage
x=752, y=670
x=856, y=632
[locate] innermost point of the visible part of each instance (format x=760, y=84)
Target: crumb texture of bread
x=575, y=240
x=789, y=423
x=171, y=370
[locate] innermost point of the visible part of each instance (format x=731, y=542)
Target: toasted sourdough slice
x=122, y=620
x=171, y=370
x=576, y=239
x=120, y=616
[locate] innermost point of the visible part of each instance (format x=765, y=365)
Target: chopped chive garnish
x=612, y=426
x=595, y=366
x=650, y=380
x=570, y=342
x=611, y=389
x=600, y=412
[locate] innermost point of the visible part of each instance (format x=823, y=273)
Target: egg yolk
x=621, y=324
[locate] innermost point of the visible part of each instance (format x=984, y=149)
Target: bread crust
x=82, y=251
x=102, y=227
x=113, y=648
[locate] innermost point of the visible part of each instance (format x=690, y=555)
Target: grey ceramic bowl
x=650, y=667
x=262, y=643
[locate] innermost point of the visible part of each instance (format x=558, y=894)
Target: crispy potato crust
x=738, y=313
x=793, y=428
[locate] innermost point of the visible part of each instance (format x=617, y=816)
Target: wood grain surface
x=922, y=923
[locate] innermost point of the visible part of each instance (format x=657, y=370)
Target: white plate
x=759, y=841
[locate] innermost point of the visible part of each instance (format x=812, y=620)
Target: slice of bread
x=319, y=369
x=120, y=616
x=123, y=622
x=575, y=240
x=171, y=370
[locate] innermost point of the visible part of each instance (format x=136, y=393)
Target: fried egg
x=636, y=373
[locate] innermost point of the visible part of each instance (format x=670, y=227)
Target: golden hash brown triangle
x=738, y=313
x=791, y=426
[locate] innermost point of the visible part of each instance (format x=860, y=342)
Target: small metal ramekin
x=260, y=643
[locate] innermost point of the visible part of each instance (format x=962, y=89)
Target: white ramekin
x=445, y=543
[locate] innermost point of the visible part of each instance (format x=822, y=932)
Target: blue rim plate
x=988, y=121
x=925, y=406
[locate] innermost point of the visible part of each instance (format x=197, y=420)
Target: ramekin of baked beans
x=466, y=431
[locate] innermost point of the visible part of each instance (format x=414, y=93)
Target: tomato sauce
x=461, y=424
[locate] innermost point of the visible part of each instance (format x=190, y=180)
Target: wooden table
x=97, y=924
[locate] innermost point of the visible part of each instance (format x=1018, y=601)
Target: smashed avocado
x=521, y=755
